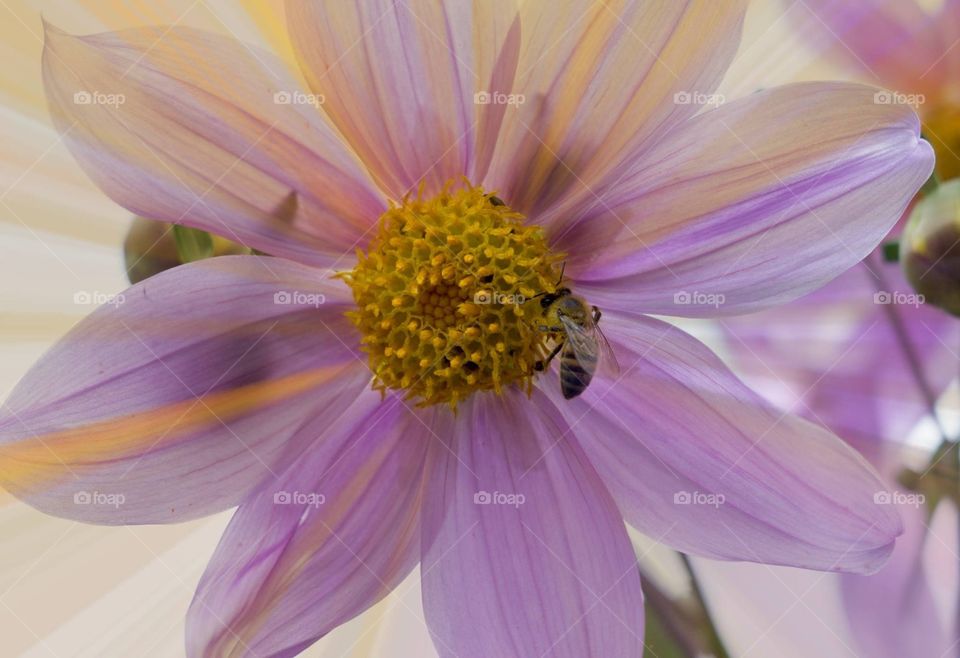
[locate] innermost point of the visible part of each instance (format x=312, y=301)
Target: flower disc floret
x=443, y=296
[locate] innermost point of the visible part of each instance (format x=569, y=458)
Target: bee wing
x=591, y=347
x=608, y=362
x=583, y=344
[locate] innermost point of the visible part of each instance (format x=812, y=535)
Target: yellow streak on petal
x=29, y=463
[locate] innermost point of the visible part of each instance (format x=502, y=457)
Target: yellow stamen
x=442, y=296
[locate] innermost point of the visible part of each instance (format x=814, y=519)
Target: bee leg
x=596, y=314
x=540, y=366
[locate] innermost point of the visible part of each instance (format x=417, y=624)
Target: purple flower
x=246, y=381
x=867, y=358
x=908, y=46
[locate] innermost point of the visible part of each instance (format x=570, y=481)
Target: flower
x=866, y=357
x=447, y=157
x=904, y=45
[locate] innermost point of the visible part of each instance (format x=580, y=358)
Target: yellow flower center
x=941, y=127
x=444, y=296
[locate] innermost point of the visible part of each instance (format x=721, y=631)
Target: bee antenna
x=562, y=269
x=556, y=286
x=539, y=294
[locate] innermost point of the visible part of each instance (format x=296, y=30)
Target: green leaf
x=192, y=244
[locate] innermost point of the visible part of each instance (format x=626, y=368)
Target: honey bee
x=580, y=348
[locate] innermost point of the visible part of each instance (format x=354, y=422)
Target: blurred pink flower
x=907, y=46
x=866, y=358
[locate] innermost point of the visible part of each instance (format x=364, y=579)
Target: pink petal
x=185, y=126
x=753, y=204
x=399, y=80
x=181, y=394
x=549, y=574
x=893, y=613
x=840, y=358
x=320, y=543
x=600, y=81
x=763, y=611
x=891, y=43
x=698, y=461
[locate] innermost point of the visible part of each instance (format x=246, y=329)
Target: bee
x=580, y=348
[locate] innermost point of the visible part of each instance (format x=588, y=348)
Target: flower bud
x=930, y=247
x=151, y=247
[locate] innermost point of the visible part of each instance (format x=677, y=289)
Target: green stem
x=674, y=622
x=909, y=353
x=714, y=641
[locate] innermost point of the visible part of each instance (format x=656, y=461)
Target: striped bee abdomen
x=575, y=373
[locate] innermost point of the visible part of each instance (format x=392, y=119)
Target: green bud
x=930, y=247
x=192, y=243
x=152, y=247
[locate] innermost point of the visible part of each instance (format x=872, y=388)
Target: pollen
x=445, y=296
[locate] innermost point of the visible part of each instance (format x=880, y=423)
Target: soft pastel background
x=68, y=589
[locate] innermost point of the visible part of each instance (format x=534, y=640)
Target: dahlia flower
x=867, y=358
x=368, y=396
x=907, y=46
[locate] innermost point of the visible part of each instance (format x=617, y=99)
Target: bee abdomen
x=574, y=378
